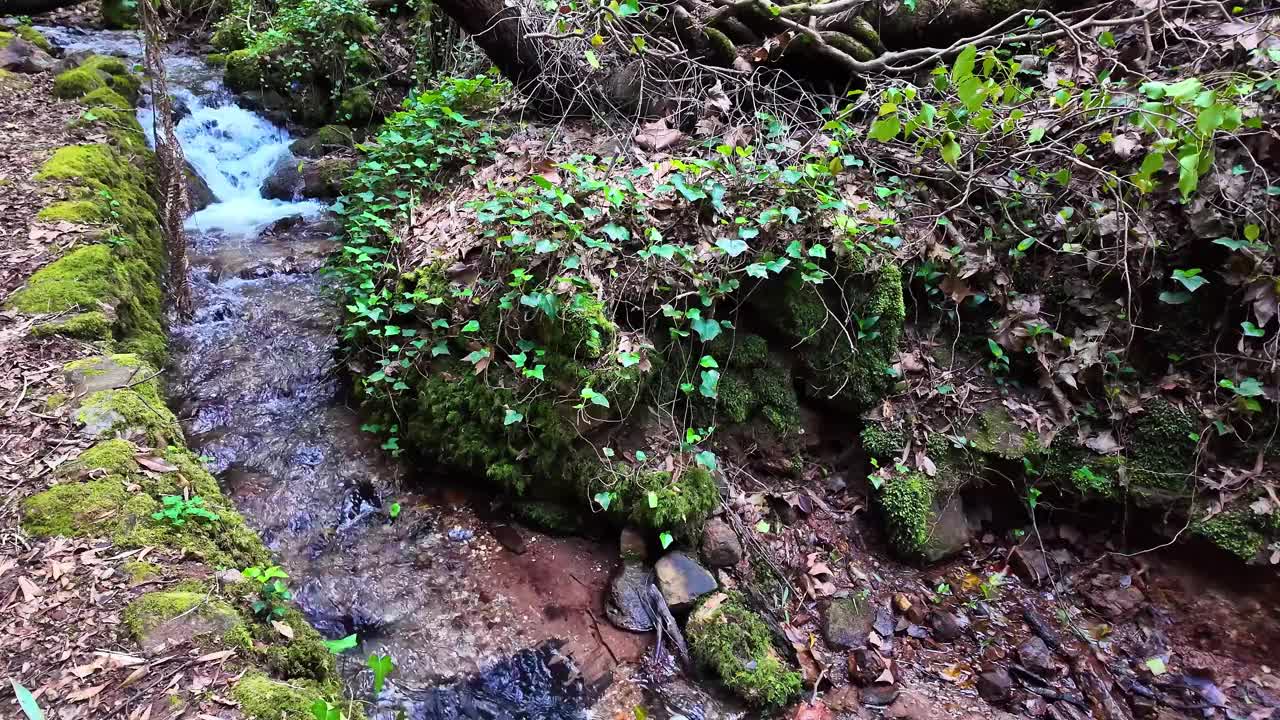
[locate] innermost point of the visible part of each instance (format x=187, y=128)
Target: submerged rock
x=625, y=605
x=285, y=180
x=682, y=580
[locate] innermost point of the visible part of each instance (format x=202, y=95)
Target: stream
x=475, y=630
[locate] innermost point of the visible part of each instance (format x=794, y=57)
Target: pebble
x=1035, y=656
x=461, y=534
x=720, y=545
x=995, y=686
x=879, y=695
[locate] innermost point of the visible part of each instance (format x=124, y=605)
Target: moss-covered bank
x=109, y=291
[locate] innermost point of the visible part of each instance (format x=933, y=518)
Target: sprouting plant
x=382, y=665
x=178, y=509
x=1033, y=497
x=999, y=364
x=990, y=588
x=394, y=510
x=272, y=592
x=341, y=645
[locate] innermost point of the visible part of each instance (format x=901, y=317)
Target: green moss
x=997, y=434
x=777, y=395
x=906, y=505
x=55, y=401
x=682, y=505
x=243, y=69
x=262, y=698
x=734, y=642
x=74, y=509
x=94, y=73
x=304, y=656
x=739, y=351
x=835, y=369
x=1232, y=531
x=33, y=36
x=140, y=571
x=882, y=442
x=356, y=105
x=1162, y=453
x=92, y=325
x=549, y=516
x=583, y=330
x=737, y=401
x=150, y=611
x=105, y=97
x=135, y=409
x=114, y=457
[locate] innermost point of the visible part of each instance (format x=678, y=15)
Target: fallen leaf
x=30, y=591
x=282, y=628
x=155, y=464
x=86, y=693
x=216, y=656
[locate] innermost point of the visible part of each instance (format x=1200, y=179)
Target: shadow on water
x=259, y=391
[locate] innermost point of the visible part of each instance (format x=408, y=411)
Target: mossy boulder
x=168, y=618
x=104, y=493
x=730, y=639
x=94, y=73
x=27, y=33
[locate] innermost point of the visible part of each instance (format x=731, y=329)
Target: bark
x=33, y=7
x=498, y=28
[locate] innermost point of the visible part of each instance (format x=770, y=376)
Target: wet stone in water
x=538, y=684
x=625, y=605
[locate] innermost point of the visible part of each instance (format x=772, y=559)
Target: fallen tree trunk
x=33, y=7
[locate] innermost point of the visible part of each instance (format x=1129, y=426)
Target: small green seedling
x=177, y=510
x=382, y=665
x=272, y=592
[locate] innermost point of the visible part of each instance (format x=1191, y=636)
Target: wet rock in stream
x=626, y=606
x=537, y=684
x=682, y=580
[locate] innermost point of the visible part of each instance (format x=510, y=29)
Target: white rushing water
x=234, y=150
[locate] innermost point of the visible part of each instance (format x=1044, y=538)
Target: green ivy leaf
x=471, y=326
x=756, y=270
x=710, y=383
x=886, y=128
x=1174, y=298
x=707, y=328
x=731, y=246
x=707, y=361
x=1191, y=279
x=512, y=417
x=950, y=152
x=617, y=233
x=653, y=499
x=341, y=645
x=604, y=499
x=1252, y=330
x=706, y=459
x=665, y=539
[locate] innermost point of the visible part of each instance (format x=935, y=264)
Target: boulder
x=1035, y=656
x=950, y=532
x=720, y=544
x=946, y=626
x=23, y=57
x=198, y=191
x=322, y=178
x=1030, y=565
x=625, y=605
x=323, y=141
x=682, y=580
x=285, y=180
x=847, y=622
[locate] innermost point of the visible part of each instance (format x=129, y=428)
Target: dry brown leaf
x=216, y=656
x=30, y=591
x=86, y=693
x=155, y=464
x=282, y=628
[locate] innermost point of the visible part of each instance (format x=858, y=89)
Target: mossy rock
x=169, y=618
x=325, y=140
x=731, y=640
x=262, y=698
x=659, y=500
x=94, y=73
x=28, y=33
x=120, y=395
x=304, y=656
x=995, y=433
x=118, y=501
x=834, y=369
x=906, y=502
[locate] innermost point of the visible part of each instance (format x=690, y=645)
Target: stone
x=879, y=695
x=198, y=191
x=720, y=545
x=509, y=538
x=847, y=622
x=866, y=666
x=624, y=603
x=950, y=531
x=285, y=180
x=1035, y=656
x=910, y=607
x=946, y=626
x=1030, y=565
x=913, y=706
x=682, y=580
x=632, y=546
x=995, y=686
x=229, y=577
x=23, y=57
x=322, y=178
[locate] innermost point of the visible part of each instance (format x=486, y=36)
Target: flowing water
x=475, y=631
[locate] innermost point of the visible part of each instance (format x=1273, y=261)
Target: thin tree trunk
x=498, y=28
